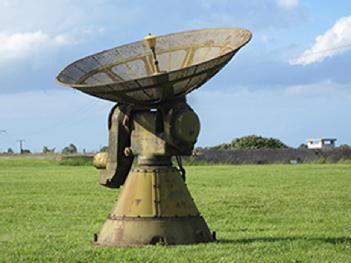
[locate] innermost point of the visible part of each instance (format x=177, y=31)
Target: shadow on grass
x=331, y=240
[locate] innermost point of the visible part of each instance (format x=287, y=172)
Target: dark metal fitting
x=128, y=152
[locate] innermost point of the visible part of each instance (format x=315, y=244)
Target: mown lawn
x=268, y=213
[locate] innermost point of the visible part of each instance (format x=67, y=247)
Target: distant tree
x=10, y=151
x=345, y=146
x=46, y=149
x=252, y=142
x=70, y=149
x=257, y=142
x=302, y=146
x=25, y=151
x=104, y=149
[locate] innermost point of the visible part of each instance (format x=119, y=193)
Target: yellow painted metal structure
x=100, y=160
x=152, y=122
x=156, y=192
x=154, y=207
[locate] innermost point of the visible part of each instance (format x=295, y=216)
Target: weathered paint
x=154, y=206
x=150, y=79
x=126, y=73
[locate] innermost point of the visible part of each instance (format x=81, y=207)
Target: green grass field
x=269, y=213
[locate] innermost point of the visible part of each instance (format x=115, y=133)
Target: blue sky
x=292, y=81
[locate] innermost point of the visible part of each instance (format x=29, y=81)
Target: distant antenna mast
x=20, y=141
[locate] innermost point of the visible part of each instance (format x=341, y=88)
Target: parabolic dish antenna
x=127, y=73
x=153, y=122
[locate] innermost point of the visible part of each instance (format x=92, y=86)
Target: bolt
x=128, y=151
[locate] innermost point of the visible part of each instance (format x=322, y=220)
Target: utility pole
x=21, y=144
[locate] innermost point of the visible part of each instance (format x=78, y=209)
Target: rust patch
x=137, y=201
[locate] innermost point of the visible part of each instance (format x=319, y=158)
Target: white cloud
x=335, y=41
x=288, y=4
x=324, y=88
x=22, y=45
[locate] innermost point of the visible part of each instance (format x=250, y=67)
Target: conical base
x=154, y=206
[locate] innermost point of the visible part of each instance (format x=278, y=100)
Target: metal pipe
x=151, y=41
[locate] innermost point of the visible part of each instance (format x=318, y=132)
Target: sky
x=292, y=81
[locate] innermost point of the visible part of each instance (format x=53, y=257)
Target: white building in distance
x=322, y=143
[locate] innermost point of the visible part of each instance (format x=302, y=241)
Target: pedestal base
x=151, y=231
x=154, y=206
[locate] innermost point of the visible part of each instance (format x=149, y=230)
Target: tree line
x=241, y=143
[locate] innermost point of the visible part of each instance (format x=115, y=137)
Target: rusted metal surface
x=126, y=73
x=155, y=192
x=124, y=231
x=152, y=121
x=117, y=163
x=154, y=206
